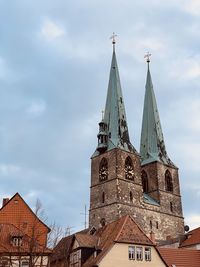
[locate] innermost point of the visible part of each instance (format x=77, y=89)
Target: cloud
x=9, y=169
x=50, y=30
x=68, y=57
x=193, y=221
x=2, y=68
x=193, y=7
x=37, y=108
x=186, y=69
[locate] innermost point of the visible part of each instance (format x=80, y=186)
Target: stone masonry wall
x=124, y=196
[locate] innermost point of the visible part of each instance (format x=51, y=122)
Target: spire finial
x=113, y=37
x=147, y=56
x=102, y=114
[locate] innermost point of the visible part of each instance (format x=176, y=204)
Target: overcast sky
x=54, y=65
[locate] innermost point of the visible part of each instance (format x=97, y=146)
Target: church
x=142, y=184
x=135, y=201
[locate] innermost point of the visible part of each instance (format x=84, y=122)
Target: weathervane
x=147, y=56
x=113, y=37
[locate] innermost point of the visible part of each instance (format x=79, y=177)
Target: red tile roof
x=86, y=240
x=18, y=197
x=7, y=231
x=180, y=257
x=193, y=238
x=124, y=230
x=62, y=250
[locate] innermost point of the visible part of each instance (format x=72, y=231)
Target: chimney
x=5, y=200
x=152, y=237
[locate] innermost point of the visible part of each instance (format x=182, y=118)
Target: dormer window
x=93, y=230
x=16, y=241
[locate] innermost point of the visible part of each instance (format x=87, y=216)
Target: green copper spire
x=152, y=146
x=114, y=121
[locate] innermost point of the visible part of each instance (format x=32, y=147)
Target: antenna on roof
x=68, y=230
x=85, y=214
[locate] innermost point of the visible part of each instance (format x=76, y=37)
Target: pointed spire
x=152, y=146
x=114, y=120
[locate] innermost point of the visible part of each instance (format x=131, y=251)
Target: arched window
x=168, y=181
x=103, y=170
x=129, y=171
x=103, y=197
x=131, y=196
x=145, y=182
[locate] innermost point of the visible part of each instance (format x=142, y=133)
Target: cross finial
x=113, y=37
x=147, y=56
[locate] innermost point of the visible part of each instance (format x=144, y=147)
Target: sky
x=55, y=58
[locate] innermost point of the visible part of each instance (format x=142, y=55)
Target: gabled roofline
x=115, y=240
x=17, y=194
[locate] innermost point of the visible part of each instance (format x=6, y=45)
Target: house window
x=4, y=262
x=17, y=241
x=145, y=182
x=139, y=253
x=168, y=181
x=75, y=258
x=131, y=253
x=25, y=263
x=147, y=254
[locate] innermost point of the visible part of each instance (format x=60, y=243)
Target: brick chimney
x=5, y=200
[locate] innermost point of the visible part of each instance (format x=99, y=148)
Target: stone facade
x=117, y=196
x=123, y=182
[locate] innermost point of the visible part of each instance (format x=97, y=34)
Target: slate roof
x=115, y=115
x=152, y=145
x=180, y=257
x=192, y=238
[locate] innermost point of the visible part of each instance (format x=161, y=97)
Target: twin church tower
x=144, y=185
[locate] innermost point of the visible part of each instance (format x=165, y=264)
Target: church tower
x=159, y=174
x=145, y=186
x=115, y=169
